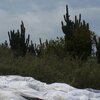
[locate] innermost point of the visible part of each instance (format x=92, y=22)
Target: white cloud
x=42, y=23
x=91, y=15
x=15, y=1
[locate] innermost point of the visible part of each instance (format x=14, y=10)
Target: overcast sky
x=42, y=18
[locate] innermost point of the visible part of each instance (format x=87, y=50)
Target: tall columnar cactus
x=67, y=29
x=18, y=42
x=32, y=49
x=97, y=43
x=77, y=36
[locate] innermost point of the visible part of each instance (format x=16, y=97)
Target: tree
x=78, y=41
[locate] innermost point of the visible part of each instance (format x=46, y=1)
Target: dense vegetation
x=66, y=59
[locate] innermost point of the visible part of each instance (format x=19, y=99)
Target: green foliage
x=81, y=74
x=78, y=41
x=53, y=60
x=55, y=47
x=17, y=41
x=87, y=75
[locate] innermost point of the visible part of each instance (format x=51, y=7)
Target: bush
x=52, y=68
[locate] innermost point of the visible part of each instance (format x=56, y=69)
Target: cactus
x=67, y=29
x=17, y=41
x=5, y=44
x=97, y=43
x=32, y=49
x=77, y=36
x=79, y=18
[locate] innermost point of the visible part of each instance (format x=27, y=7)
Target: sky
x=42, y=18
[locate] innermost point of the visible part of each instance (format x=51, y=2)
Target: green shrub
x=52, y=68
